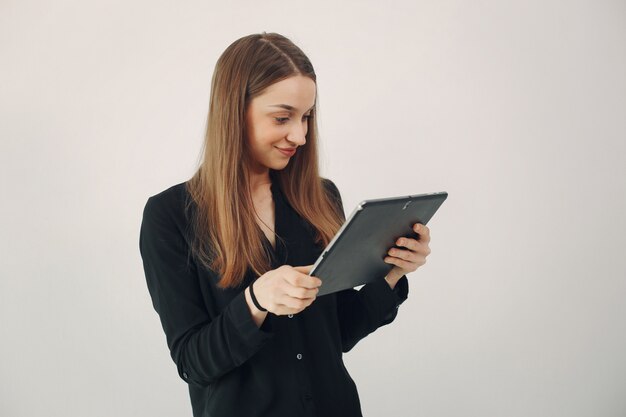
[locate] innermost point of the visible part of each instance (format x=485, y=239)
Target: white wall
x=517, y=109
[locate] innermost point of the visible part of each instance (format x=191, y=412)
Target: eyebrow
x=288, y=107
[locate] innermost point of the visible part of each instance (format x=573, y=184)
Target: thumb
x=304, y=269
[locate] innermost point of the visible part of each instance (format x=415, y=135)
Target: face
x=276, y=122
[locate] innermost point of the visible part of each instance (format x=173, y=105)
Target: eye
x=283, y=120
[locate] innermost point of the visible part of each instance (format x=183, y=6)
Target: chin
x=279, y=166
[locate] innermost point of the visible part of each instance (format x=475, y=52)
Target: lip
x=287, y=152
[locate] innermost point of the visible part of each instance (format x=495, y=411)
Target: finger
x=295, y=303
x=301, y=292
x=304, y=269
x=411, y=244
x=402, y=264
x=298, y=279
x=423, y=231
x=405, y=255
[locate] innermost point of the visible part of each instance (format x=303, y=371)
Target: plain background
x=517, y=109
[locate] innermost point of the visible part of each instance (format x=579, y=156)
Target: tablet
x=356, y=254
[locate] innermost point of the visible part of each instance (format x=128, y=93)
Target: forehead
x=297, y=91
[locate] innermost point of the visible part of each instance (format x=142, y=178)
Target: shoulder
x=334, y=195
x=169, y=204
x=331, y=188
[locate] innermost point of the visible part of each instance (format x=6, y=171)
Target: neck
x=259, y=179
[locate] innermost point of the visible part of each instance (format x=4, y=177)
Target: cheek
x=273, y=134
x=262, y=135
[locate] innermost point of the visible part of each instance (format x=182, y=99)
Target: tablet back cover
x=356, y=254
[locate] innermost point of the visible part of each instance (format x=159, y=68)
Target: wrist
x=254, y=299
x=258, y=316
x=392, y=279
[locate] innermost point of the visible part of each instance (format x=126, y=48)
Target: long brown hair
x=227, y=238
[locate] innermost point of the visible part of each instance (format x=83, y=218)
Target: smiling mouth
x=288, y=151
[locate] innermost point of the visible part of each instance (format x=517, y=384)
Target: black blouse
x=290, y=366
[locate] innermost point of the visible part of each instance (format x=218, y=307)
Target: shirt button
x=185, y=375
x=290, y=316
x=299, y=356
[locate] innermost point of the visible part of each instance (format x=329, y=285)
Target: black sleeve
x=362, y=311
x=203, y=347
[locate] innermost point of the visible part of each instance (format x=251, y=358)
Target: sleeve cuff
x=401, y=290
x=250, y=337
x=387, y=301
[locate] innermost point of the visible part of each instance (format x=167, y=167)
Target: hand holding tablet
x=357, y=253
x=409, y=254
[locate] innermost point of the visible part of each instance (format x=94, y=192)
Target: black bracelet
x=254, y=300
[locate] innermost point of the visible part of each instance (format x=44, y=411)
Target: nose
x=297, y=134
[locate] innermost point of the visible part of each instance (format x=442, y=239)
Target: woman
x=257, y=212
